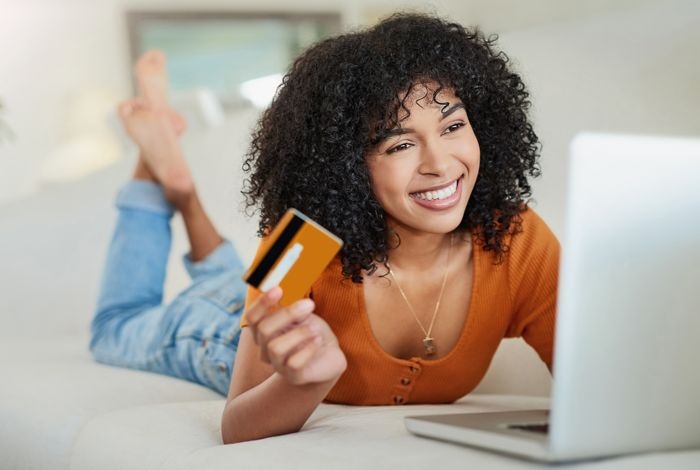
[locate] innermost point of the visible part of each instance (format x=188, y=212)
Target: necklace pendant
x=429, y=346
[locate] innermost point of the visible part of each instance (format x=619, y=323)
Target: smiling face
x=423, y=173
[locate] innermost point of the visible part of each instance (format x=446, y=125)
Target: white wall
x=51, y=55
x=64, y=65
x=636, y=71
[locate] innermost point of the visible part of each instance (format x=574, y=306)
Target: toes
x=125, y=108
x=152, y=59
x=178, y=122
x=155, y=57
x=128, y=107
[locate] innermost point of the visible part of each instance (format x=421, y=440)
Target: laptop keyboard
x=538, y=428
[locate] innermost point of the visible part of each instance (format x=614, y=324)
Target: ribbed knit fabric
x=511, y=299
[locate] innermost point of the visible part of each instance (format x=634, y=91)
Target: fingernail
x=275, y=293
x=305, y=305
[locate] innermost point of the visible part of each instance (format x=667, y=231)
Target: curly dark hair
x=309, y=147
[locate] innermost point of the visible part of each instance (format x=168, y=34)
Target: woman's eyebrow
x=404, y=130
x=386, y=133
x=452, y=109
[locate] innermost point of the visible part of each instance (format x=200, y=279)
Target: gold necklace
x=428, y=341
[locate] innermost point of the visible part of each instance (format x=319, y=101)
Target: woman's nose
x=433, y=159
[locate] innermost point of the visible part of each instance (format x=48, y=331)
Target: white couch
x=59, y=409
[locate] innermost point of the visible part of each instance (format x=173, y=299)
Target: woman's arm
x=270, y=407
x=534, y=273
x=287, y=362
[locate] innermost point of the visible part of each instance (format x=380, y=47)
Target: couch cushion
x=188, y=436
x=51, y=388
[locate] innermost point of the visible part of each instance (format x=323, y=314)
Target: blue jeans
x=194, y=337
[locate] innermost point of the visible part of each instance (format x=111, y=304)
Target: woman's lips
x=442, y=204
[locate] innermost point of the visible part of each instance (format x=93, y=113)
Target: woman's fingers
x=278, y=323
x=260, y=307
x=285, y=344
x=296, y=363
x=275, y=324
x=266, y=323
x=299, y=345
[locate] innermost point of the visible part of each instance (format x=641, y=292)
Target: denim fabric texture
x=194, y=337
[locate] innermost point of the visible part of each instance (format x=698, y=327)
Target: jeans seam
x=207, y=297
x=200, y=338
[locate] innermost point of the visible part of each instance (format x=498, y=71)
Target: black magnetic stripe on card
x=275, y=251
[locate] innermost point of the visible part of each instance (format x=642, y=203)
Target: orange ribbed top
x=511, y=299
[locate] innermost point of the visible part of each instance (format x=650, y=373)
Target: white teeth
x=440, y=194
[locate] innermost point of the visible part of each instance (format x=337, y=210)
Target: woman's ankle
x=185, y=202
x=141, y=172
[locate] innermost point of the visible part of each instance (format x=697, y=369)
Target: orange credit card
x=298, y=250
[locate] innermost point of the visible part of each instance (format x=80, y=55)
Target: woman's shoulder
x=529, y=237
x=533, y=245
x=533, y=232
x=332, y=280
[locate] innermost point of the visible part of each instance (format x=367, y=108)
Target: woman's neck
x=418, y=252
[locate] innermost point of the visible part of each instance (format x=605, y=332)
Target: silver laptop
x=627, y=349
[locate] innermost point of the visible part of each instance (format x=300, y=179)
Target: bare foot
x=152, y=80
x=152, y=130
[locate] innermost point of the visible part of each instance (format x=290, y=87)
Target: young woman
x=411, y=142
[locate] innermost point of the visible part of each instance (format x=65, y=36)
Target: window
x=237, y=56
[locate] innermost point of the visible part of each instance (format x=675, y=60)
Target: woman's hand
x=298, y=344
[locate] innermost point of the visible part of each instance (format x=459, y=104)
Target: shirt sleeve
x=534, y=273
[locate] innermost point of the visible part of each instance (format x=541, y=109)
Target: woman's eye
x=398, y=148
x=454, y=127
